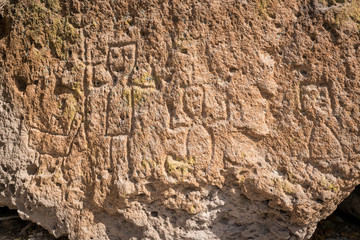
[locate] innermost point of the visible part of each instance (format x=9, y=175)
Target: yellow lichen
x=145, y=80
x=179, y=168
x=126, y=95
x=148, y=164
x=70, y=108
x=77, y=72
x=328, y=185
x=288, y=187
x=192, y=207
x=291, y=178
x=138, y=95
x=263, y=6
x=284, y=185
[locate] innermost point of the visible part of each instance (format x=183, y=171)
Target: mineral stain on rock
x=179, y=119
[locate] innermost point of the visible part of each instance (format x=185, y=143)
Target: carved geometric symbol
x=121, y=62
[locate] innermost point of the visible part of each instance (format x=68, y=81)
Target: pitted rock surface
x=179, y=119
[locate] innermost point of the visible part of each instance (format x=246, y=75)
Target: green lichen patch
x=351, y=12
x=61, y=35
x=343, y=12
x=44, y=27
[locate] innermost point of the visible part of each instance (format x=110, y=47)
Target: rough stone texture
x=124, y=119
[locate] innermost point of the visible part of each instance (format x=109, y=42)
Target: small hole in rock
x=21, y=83
x=154, y=214
x=32, y=169
x=4, y=26
x=224, y=221
x=304, y=73
x=313, y=37
x=12, y=188
x=150, y=187
x=184, y=51
x=233, y=70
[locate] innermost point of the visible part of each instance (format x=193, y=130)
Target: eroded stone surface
x=181, y=119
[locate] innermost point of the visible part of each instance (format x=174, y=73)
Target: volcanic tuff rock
x=125, y=119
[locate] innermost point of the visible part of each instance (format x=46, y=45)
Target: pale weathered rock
x=179, y=119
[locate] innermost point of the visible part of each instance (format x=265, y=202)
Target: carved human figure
x=324, y=147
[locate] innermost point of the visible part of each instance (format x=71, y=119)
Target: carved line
x=107, y=113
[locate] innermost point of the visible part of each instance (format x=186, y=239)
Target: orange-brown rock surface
x=125, y=119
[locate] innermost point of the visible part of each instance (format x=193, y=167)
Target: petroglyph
x=324, y=147
x=199, y=147
x=248, y=111
x=119, y=111
x=316, y=101
x=96, y=115
x=175, y=120
x=101, y=76
x=121, y=61
x=323, y=144
x=193, y=100
x=47, y=143
x=214, y=104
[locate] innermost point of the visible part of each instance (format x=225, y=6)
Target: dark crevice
x=21, y=83
x=13, y=227
x=344, y=222
x=5, y=26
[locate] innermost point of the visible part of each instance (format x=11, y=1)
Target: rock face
x=125, y=119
